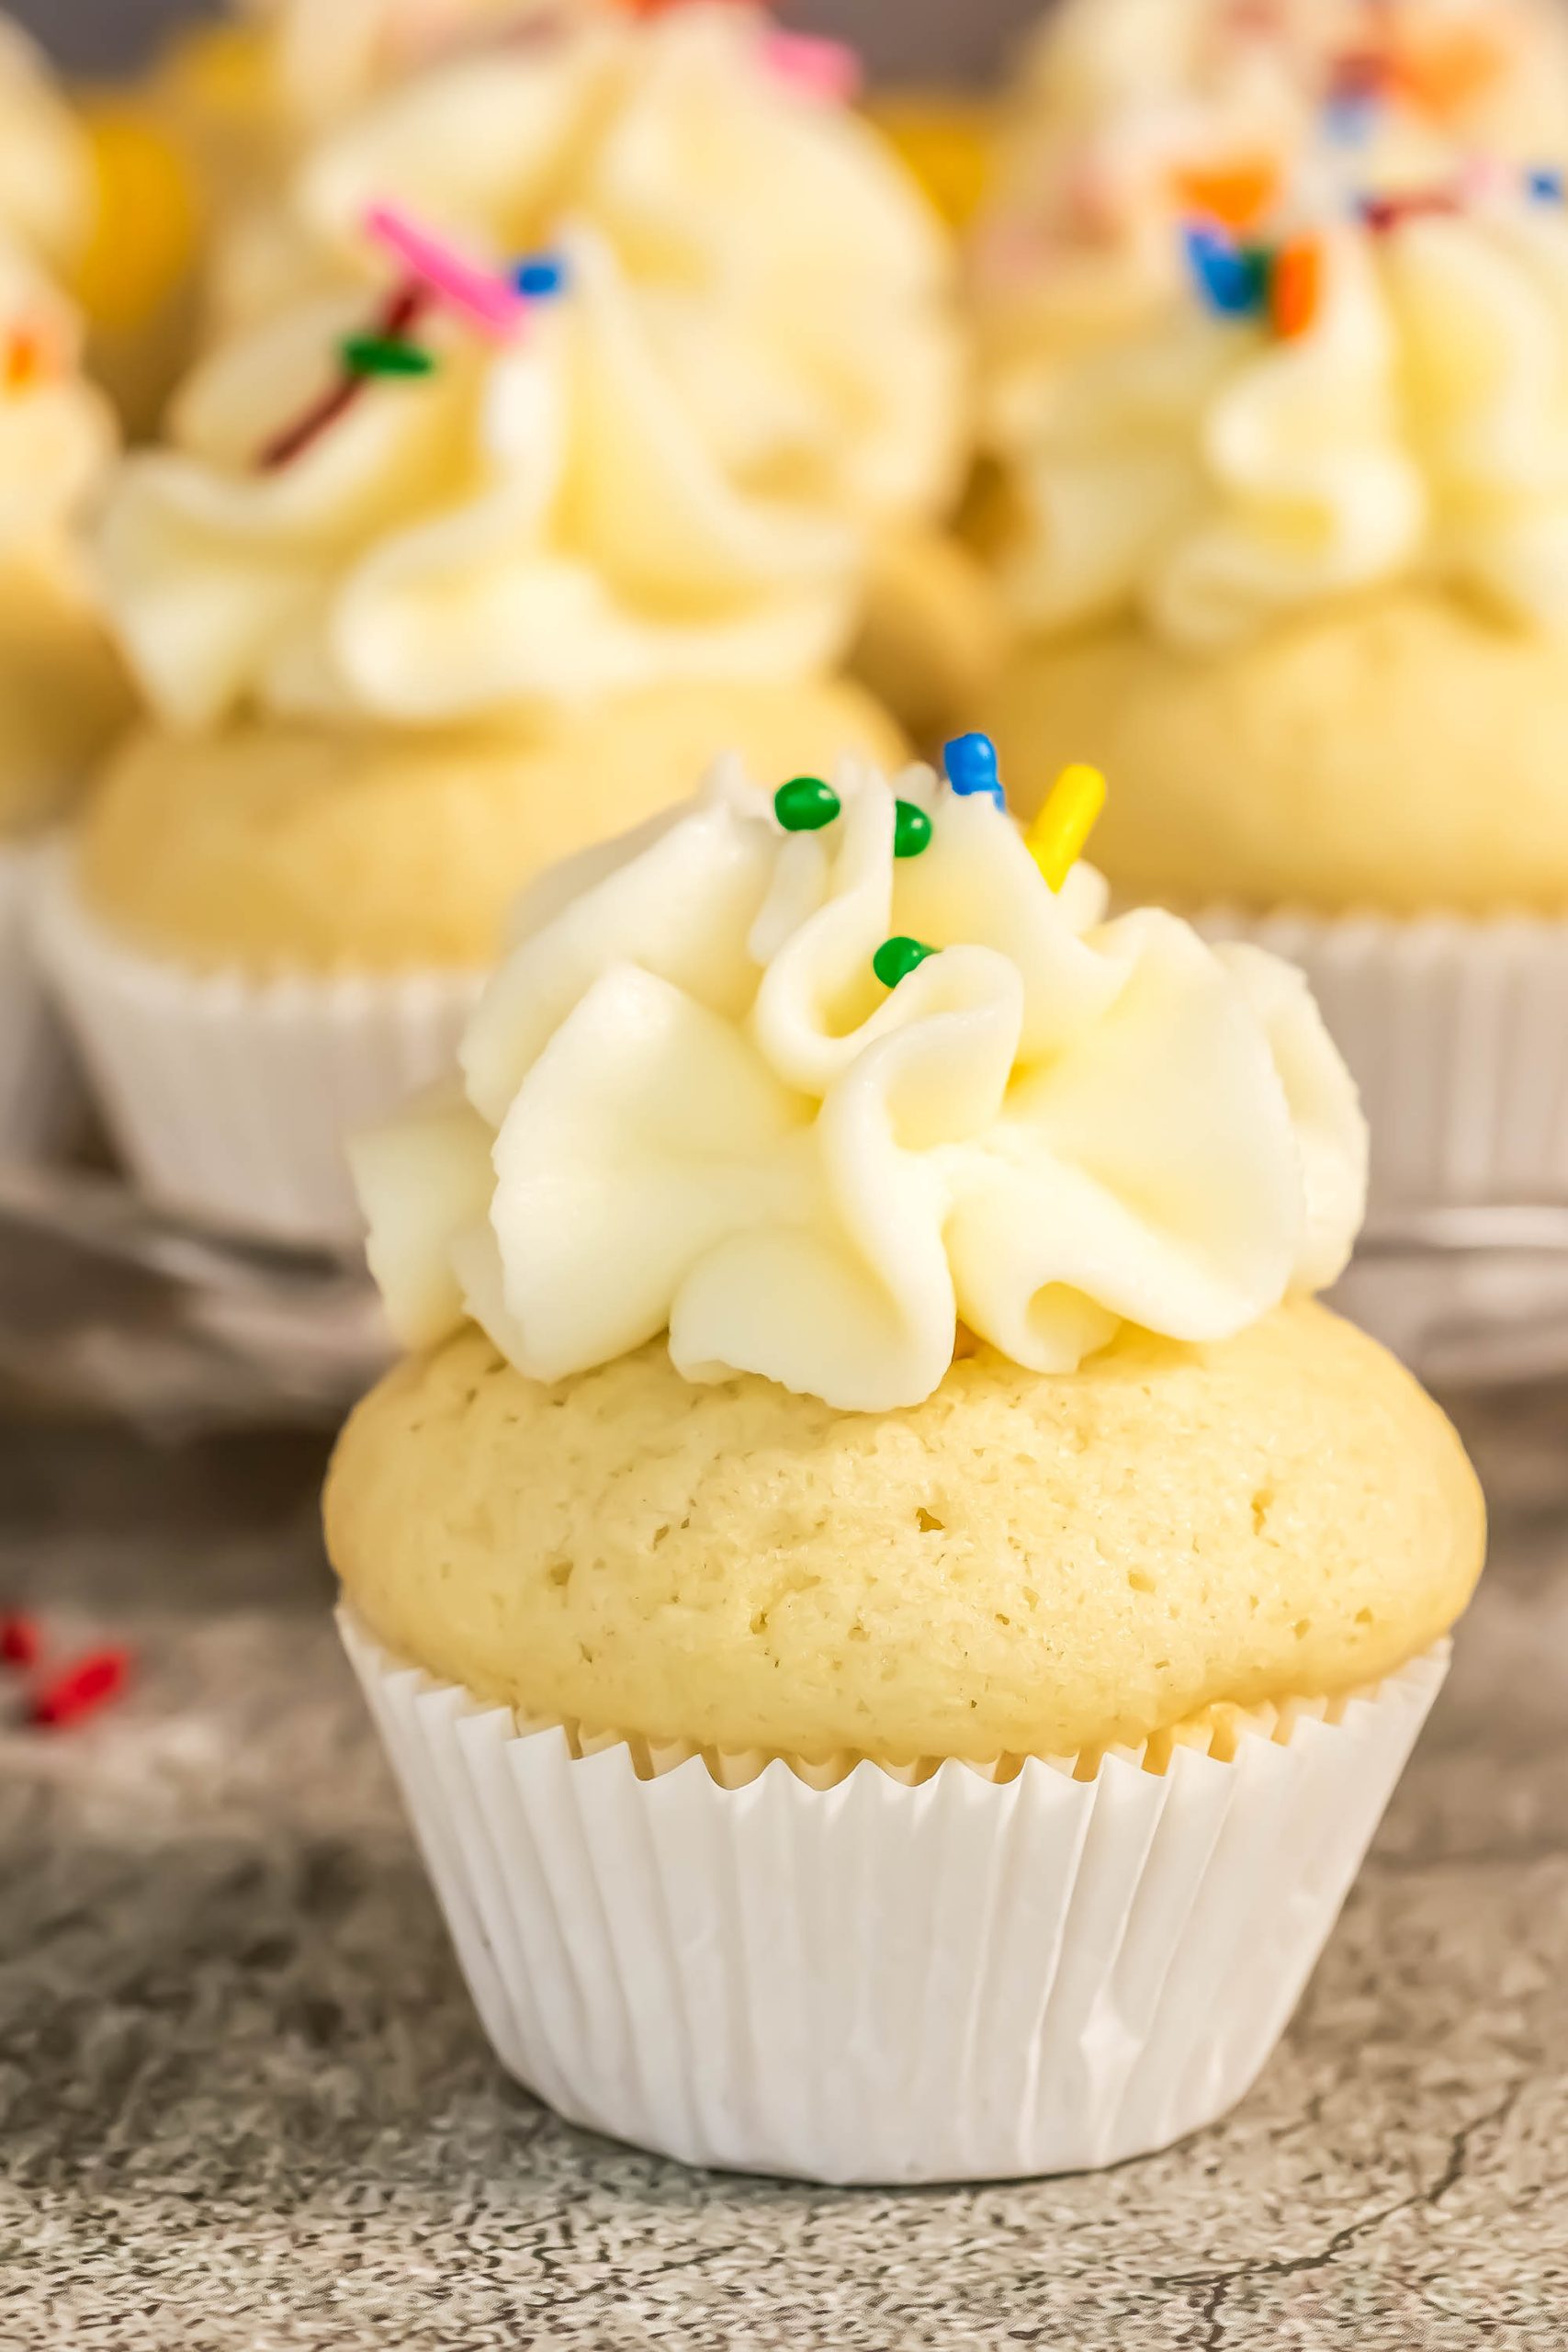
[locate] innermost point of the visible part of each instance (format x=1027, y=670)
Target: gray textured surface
x=243, y=2103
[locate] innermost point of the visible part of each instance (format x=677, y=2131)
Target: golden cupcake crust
x=1020, y=1565
x=1403, y=753
x=274, y=848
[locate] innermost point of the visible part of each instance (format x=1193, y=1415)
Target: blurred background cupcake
x=1130, y=115
x=62, y=694
x=720, y=157
x=1295, y=558
x=465, y=552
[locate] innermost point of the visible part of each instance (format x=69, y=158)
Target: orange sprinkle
x=27, y=359
x=1295, y=289
x=1235, y=196
x=1444, y=74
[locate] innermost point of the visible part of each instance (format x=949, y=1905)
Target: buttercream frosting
x=799, y=285
x=1214, y=477
x=57, y=435
x=46, y=178
x=689, y=1105
x=1131, y=111
x=538, y=521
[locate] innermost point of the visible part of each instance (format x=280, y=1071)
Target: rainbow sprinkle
x=970, y=761
x=896, y=958
x=490, y=303
x=828, y=71
x=539, y=275
x=1073, y=806
x=397, y=317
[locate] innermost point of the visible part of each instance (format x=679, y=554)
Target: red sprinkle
x=1382, y=213
x=20, y=1642
x=83, y=1689
x=397, y=317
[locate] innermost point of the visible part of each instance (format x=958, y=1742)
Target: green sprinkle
x=911, y=829
x=896, y=958
x=385, y=355
x=805, y=803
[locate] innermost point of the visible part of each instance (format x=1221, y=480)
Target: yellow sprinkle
x=1055, y=840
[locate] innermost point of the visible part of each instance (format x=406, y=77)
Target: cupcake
x=61, y=692
x=801, y=287
x=431, y=586
x=894, y=1614
x=1133, y=115
x=1295, y=562
x=46, y=177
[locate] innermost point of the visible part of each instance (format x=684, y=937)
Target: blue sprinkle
x=1546, y=186
x=971, y=764
x=540, y=273
x=1233, y=278
x=1350, y=119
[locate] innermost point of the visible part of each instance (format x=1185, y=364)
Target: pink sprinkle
x=487, y=300
x=827, y=70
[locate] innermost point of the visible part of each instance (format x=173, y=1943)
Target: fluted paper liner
x=960, y=1974
x=41, y=1098
x=230, y=1099
x=1454, y=1031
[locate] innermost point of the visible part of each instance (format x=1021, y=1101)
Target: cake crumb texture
x=1020, y=1565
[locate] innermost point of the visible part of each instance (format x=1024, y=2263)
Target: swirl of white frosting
x=690, y=1104
x=1126, y=105
x=46, y=178
x=329, y=56
x=1214, y=477
x=801, y=288
x=57, y=434
x=532, y=524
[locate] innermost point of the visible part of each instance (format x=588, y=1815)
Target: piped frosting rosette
x=691, y=1103
x=543, y=514
x=1215, y=475
x=46, y=177
x=1136, y=114
x=329, y=56
x=57, y=435
x=798, y=285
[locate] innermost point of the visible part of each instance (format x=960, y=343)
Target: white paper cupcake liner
x=230, y=1099
x=42, y=1098
x=1456, y=1030
x=965, y=1977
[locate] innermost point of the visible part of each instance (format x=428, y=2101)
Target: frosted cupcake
x=1133, y=115
x=431, y=587
x=894, y=1614
x=62, y=693
x=1296, y=562
x=800, y=286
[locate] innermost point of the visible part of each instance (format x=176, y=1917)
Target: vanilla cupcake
x=895, y=1616
x=1302, y=579
x=61, y=692
x=429, y=588
x=1133, y=116
x=800, y=287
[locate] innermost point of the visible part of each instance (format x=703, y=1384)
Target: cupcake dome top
x=1014, y=1566
x=808, y=1080
x=1376, y=402
x=485, y=494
